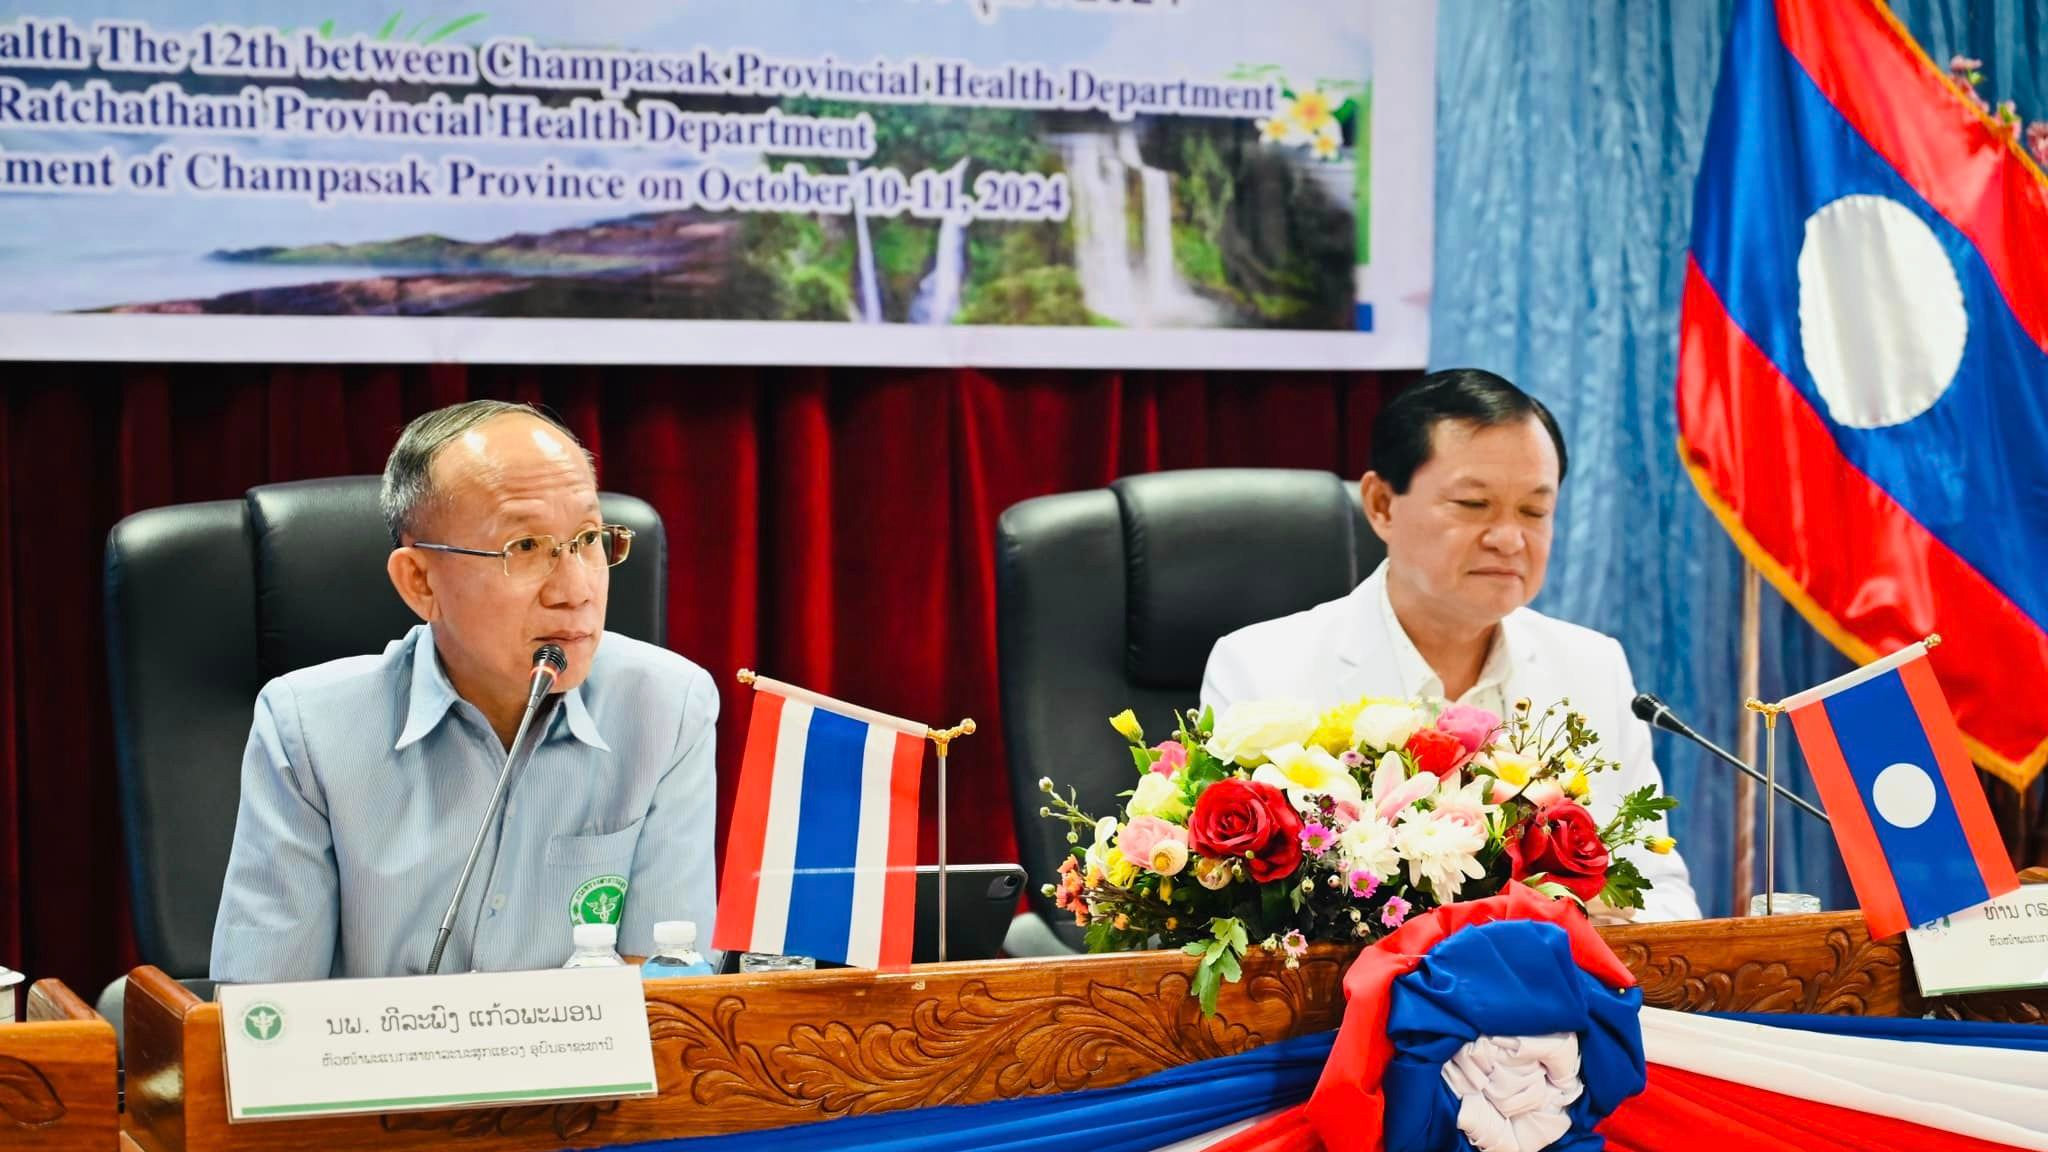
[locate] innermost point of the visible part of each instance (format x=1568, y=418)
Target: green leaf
x=1216, y=948
x=1196, y=948
x=390, y=25
x=1205, y=987
x=326, y=29
x=1143, y=758
x=1273, y=903
x=454, y=26
x=1228, y=966
x=1239, y=942
x=1101, y=936
x=1625, y=885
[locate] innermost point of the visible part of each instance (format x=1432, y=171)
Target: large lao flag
x=1863, y=374
x=821, y=856
x=1916, y=835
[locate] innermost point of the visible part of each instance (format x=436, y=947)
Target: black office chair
x=208, y=602
x=1113, y=598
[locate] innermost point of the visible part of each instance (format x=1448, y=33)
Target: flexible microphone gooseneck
x=1658, y=714
x=548, y=662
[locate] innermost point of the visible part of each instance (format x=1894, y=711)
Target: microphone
x=1658, y=714
x=548, y=662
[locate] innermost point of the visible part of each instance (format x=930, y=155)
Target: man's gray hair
x=408, y=491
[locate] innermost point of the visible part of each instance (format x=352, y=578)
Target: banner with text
x=996, y=182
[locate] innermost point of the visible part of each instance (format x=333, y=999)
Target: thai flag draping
x=1907, y=811
x=821, y=855
x=1777, y=1083
x=1863, y=370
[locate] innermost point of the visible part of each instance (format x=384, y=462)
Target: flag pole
x=1770, y=714
x=1750, y=675
x=944, y=739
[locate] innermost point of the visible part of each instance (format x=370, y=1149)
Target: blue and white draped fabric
x=1475, y=1000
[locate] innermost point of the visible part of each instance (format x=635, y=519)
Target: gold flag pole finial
x=1933, y=641
x=944, y=736
x=746, y=676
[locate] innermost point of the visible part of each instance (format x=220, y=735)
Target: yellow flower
x=1304, y=772
x=1661, y=845
x=1327, y=143
x=1576, y=785
x=1274, y=131
x=1513, y=768
x=1333, y=731
x=1126, y=724
x=1311, y=110
x=1119, y=870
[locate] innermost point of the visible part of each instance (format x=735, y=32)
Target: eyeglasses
x=533, y=558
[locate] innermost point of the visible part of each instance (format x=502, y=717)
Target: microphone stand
x=534, y=707
x=1663, y=718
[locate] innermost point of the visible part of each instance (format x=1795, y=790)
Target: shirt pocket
x=606, y=851
x=591, y=875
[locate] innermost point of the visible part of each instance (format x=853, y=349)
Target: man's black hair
x=1401, y=435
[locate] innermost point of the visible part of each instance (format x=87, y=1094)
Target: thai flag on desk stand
x=1916, y=835
x=821, y=857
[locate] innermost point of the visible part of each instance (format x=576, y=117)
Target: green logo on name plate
x=600, y=900
x=263, y=1022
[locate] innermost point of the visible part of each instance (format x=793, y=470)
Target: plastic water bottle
x=675, y=952
x=597, y=946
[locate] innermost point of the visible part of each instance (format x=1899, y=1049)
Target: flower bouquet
x=1278, y=824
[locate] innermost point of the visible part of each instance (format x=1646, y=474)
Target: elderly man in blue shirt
x=365, y=778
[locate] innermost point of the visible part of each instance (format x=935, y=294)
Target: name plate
x=2001, y=943
x=336, y=1047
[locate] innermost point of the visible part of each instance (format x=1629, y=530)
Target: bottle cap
x=677, y=934
x=596, y=935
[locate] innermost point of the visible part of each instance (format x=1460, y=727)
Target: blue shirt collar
x=433, y=695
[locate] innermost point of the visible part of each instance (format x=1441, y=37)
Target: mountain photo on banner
x=1863, y=368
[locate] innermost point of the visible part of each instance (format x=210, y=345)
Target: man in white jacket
x=1463, y=491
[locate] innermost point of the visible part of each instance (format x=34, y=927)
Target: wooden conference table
x=748, y=1052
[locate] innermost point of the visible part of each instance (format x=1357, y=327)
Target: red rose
x=1437, y=751
x=1562, y=842
x=1250, y=820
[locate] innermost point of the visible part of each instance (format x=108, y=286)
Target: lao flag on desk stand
x=821, y=856
x=1863, y=366
x=1916, y=835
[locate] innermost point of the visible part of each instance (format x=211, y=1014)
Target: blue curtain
x=1568, y=138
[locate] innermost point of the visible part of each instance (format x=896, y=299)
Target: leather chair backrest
x=1112, y=599
x=208, y=602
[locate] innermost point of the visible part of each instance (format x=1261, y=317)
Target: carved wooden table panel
x=738, y=1053
x=748, y=1052
x=57, y=1076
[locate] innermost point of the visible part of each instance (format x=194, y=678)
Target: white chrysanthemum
x=1368, y=843
x=1303, y=772
x=1442, y=849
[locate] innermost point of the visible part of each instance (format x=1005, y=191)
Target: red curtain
x=834, y=528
